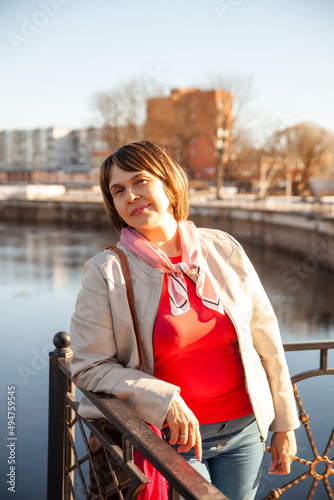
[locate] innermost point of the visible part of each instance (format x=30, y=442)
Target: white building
x=48, y=150
x=27, y=150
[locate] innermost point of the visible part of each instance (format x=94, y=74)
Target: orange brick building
x=186, y=124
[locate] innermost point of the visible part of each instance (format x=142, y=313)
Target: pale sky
x=56, y=54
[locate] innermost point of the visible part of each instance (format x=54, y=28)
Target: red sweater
x=198, y=351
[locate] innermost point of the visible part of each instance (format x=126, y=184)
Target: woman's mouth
x=139, y=210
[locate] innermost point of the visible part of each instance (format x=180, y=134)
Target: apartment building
x=193, y=126
x=26, y=153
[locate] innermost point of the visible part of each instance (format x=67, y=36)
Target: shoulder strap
x=129, y=293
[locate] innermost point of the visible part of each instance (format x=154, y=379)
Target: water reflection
x=303, y=302
x=48, y=257
x=34, y=255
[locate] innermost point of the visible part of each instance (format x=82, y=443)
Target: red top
x=198, y=351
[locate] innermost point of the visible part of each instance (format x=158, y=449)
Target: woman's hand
x=184, y=427
x=283, y=450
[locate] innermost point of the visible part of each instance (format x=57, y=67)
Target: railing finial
x=62, y=342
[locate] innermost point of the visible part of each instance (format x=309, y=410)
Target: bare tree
x=270, y=168
x=241, y=90
x=122, y=111
x=300, y=150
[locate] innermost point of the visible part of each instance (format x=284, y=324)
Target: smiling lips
x=139, y=210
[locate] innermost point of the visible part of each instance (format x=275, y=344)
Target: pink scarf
x=192, y=264
x=158, y=485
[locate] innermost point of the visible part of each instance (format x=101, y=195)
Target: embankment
x=308, y=235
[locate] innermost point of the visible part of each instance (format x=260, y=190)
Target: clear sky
x=56, y=54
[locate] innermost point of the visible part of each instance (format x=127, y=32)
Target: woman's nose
x=131, y=195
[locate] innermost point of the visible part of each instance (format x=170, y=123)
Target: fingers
x=274, y=456
x=184, y=427
x=283, y=467
x=275, y=467
x=193, y=440
x=198, y=447
x=181, y=437
x=186, y=434
x=283, y=450
x=286, y=461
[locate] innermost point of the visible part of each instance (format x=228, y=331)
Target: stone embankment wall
x=309, y=235
x=53, y=211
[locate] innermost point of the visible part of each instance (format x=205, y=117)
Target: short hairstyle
x=151, y=158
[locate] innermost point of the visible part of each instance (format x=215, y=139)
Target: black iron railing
x=71, y=472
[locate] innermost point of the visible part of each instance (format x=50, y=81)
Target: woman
x=215, y=371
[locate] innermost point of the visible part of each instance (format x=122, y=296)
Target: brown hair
x=151, y=158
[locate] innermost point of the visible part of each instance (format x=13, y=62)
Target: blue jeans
x=232, y=457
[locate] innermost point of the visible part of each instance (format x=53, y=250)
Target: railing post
x=59, y=450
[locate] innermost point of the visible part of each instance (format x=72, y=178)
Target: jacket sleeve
x=268, y=344
x=94, y=364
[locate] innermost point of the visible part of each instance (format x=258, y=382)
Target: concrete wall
x=309, y=236
x=69, y=212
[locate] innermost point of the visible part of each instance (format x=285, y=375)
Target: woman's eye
x=118, y=191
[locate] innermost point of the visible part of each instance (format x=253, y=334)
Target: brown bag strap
x=129, y=293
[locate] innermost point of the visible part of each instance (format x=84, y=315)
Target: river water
x=40, y=274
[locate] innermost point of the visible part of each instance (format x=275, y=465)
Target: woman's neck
x=166, y=238
x=171, y=247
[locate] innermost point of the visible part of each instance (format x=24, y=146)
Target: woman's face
x=140, y=199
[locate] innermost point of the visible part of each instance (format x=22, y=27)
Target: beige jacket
x=105, y=353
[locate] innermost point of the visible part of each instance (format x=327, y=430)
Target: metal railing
x=70, y=476
x=323, y=347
